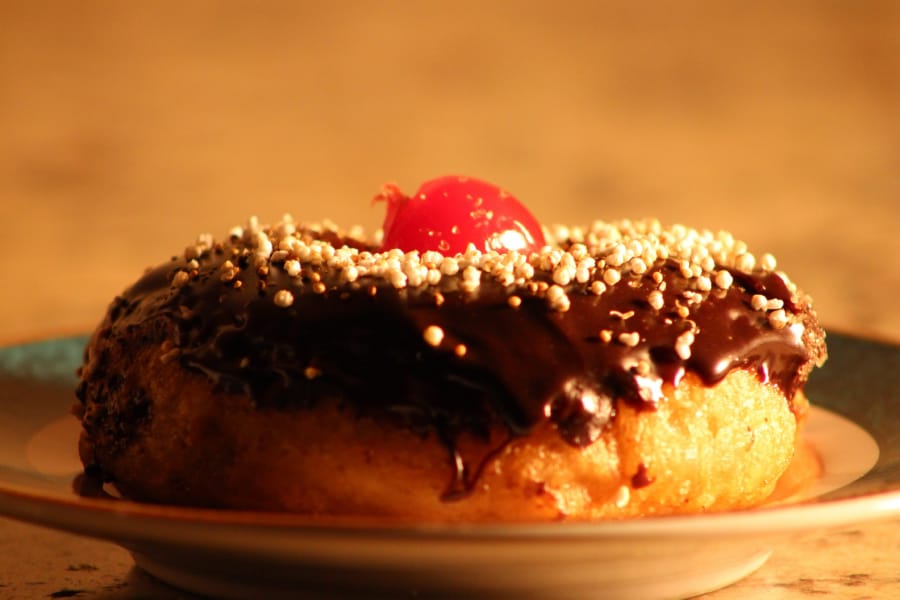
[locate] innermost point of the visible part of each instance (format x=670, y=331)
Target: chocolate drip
x=361, y=343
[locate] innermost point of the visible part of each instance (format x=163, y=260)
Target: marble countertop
x=128, y=130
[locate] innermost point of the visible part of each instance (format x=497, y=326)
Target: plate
x=853, y=430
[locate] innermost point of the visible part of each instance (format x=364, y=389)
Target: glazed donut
x=617, y=370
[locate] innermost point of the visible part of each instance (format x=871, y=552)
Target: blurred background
x=128, y=128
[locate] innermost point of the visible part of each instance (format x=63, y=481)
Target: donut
x=464, y=365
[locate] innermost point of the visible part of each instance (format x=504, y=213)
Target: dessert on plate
x=467, y=365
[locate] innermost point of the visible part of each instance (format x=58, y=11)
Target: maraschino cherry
x=449, y=213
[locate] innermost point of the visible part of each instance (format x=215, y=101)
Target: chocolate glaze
x=364, y=343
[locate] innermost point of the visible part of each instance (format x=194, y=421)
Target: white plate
x=242, y=554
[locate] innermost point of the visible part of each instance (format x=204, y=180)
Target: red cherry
x=449, y=213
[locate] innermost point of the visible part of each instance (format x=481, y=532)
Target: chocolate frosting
x=361, y=343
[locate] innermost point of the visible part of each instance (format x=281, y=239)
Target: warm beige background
x=126, y=128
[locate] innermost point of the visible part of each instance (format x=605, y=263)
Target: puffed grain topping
x=284, y=298
x=575, y=261
x=433, y=335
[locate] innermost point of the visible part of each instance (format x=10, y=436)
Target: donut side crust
x=163, y=434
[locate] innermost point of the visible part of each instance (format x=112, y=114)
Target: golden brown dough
x=705, y=448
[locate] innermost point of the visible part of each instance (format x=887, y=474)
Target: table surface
x=128, y=130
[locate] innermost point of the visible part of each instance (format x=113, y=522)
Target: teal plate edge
x=46, y=361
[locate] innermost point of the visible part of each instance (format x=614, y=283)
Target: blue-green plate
x=854, y=430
